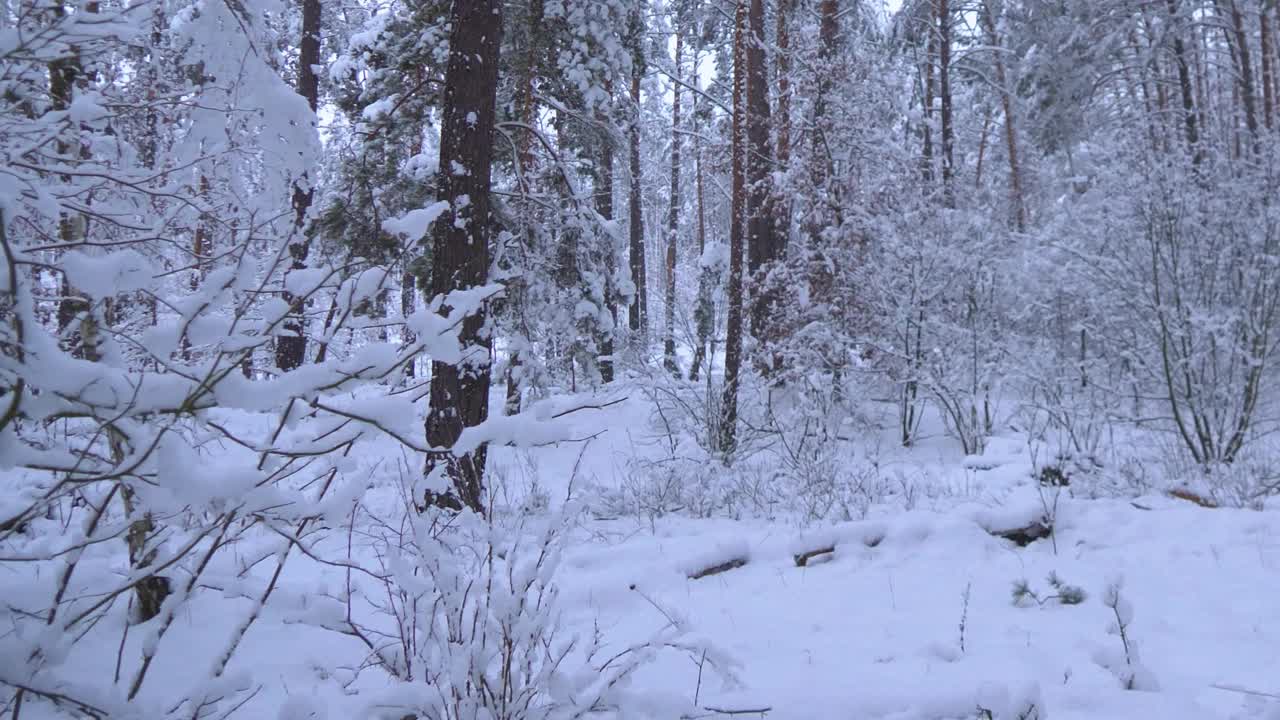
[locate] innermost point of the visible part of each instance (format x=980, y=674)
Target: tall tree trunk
x=1184, y=83
x=825, y=212
x=524, y=159
x=65, y=75
x=926, y=160
x=408, y=281
x=1244, y=72
x=944, y=92
x=528, y=101
x=604, y=206
x=1268, y=71
x=828, y=29
x=1010, y=128
x=1154, y=83
x=291, y=347
x=639, y=315
x=764, y=246
x=703, y=314
x=737, y=232
x=1267, y=10
x=673, y=219
x=782, y=36
x=460, y=241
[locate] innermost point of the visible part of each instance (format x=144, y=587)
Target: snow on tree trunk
x=291, y=347
x=460, y=242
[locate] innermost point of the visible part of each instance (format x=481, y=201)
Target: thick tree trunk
x=673, y=221
x=639, y=315
x=737, y=231
x=460, y=240
x=291, y=347
x=764, y=245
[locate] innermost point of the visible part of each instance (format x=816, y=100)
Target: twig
x=1244, y=690
x=713, y=711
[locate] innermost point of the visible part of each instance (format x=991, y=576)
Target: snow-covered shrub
x=688, y=414
x=1249, y=482
x=806, y=418
x=145, y=429
x=471, y=627
x=942, y=288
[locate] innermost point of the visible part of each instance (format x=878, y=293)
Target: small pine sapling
x=1127, y=666
x=996, y=703
x=1063, y=594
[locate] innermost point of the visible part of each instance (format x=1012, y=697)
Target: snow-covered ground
x=912, y=617
x=876, y=632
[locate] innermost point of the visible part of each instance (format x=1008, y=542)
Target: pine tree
x=460, y=240
x=673, y=214
x=639, y=315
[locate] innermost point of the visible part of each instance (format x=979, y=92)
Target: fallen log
x=802, y=559
x=1193, y=497
x=1023, y=536
x=726, y=566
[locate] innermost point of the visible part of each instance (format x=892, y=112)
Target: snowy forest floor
x=911, y=618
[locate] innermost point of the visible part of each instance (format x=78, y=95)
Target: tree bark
x=704, y=312
x=945, y=110
x=639, y=315
x=291, y=347
x=1268, y=72
x=703, y=315
x=673, y=220
x=763, y=244
x=604, y=206
x=1184, y=83
x=1244, y=67
x=408, y=281
x=926, y=151
x=737, y=232
x=65, y=74
x=1010, y=128
x=524, y=161
x=460, y=240
x=783, y=154
x=828, y=29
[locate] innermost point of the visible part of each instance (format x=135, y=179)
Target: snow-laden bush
x=471, y=627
